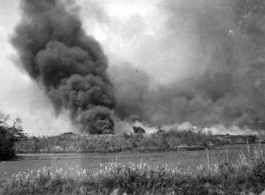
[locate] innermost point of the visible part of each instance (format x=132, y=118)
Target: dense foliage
x=9, y=135
x=192, y=139
x=245, y=177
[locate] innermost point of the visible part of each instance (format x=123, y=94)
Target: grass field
x=183, y=160
x=215, y=173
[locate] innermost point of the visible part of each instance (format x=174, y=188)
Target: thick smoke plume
x=225, y=83
x=56, y=52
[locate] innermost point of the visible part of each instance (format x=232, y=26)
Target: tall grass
x=245, y=176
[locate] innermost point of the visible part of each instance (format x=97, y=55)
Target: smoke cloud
x=55, y=52
x=221, y=80
x=176, y=62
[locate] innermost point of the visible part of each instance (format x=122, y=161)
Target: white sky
x=130, y=30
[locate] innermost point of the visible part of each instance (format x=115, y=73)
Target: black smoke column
x=56, y=53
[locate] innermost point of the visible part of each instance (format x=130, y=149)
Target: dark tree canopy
x=9, y=135
x=138, y=130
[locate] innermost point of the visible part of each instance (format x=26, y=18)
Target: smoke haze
x=220, y=83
